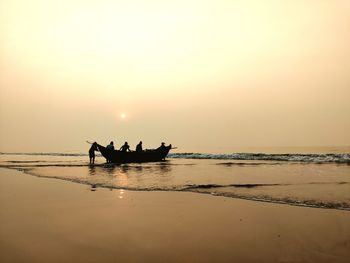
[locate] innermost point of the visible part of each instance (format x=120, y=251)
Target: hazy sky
x=203, y=75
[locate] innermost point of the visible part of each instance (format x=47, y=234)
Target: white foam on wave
x=312, y=158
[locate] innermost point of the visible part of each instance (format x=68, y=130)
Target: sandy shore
x=48, y=220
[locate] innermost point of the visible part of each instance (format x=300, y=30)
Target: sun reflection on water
x=121, y=192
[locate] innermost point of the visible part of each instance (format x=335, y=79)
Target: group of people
x=126, y=148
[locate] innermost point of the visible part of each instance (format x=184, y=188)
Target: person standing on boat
x=139, y=147
x=125, y=147
x=110, y=146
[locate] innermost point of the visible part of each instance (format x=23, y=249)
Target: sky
x=202, y=75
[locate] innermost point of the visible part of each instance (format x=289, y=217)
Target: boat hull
x=115, y=156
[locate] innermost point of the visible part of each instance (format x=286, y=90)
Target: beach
x=50, y=220
x=174, y=131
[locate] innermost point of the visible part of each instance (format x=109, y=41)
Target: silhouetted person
x=92, y=152
x=139, y=147
x=110, y=146
x=162, y=146
x=110, y=149
x=125, y=147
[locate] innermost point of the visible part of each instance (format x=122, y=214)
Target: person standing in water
x=139, y=147
x=92, y=152
x=110, y=146
x=110, y=149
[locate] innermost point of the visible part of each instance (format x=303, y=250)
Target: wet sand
x=49, y=220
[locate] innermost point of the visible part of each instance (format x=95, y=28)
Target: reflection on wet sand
x=139, y=168
x=100, y=170
x=92, y=169
x=109, y=169
x=120, y=194
x=164, y=168
x=127, y=175
x=313, y=185
x=115, y=170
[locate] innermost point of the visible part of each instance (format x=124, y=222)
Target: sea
x=317, y=177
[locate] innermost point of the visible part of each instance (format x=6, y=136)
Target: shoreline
x=108, y=187
x=46, y=220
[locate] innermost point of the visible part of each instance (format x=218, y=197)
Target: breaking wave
x=309, y=158
x=285, y=157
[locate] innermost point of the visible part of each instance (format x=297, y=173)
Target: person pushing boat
x=92, y=152
x=162, y=146
x=110, y=146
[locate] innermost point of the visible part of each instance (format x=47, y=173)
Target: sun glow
x=150, y=65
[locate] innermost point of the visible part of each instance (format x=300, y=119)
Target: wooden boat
x=115, y=156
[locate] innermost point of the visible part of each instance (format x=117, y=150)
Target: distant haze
x=201, y=75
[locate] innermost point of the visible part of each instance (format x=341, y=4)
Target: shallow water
x=316, y=180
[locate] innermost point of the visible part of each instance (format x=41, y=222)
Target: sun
x=123, y=115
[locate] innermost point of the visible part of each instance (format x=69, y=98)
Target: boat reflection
x=131, y=175
x=164, y=168
x=108, y=169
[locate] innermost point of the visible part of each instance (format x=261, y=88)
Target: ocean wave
x=210, y=186
x=309, y=158
x=46, y=154
x=285, y=157
x=285, y=201
x=248, y=163
x=45, y=165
